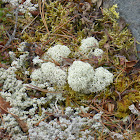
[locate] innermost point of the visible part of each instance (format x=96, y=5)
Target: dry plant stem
x=43, y=120
x=62, y=21
x=99, y=111
x=119, y=75
x=132, y=123
x=107, y=54
x=49, y=41
x=40, y=89
x=12, y=37
x=70, y=34
x=53, y=61
x=29, y=24
x=65, y=36
x=65, y=23
x=101, y=135
x=41, y=8
x=1, y=118
x=127, y=87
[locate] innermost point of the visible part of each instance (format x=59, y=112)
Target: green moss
x=128, y=90
x=113, y=10
x=126, y=101
x=117, y=37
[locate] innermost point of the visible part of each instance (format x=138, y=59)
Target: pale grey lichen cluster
x=90, y=47
x=69, y=128
x=25, y=6
x=49, y=73
x=57, y=53
x=81, y=77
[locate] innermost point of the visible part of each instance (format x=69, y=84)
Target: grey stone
x=130, y=11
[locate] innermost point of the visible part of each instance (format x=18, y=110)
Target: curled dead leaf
x=4, y=105
x=109, y=107
x=131, y=63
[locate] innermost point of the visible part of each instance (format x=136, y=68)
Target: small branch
x=29, y=24
x=41, y=89
x=12, y=37
x=66, y=22
x=41, y=8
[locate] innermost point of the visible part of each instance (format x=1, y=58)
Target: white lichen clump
x=88, y=45
x=82, y=77
x=53, y=74
x=20, y=62
x=134, y=109
x=101, y=79
x=98, y=52
x=49, y=73
x=57, y=53
x=27, y=5
x=22, y=46
x=37, y=60
x=79, y=75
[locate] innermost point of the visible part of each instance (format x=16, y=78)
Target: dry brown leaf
x=21, y=123
x=122, y=61
x=4, y=105
x=130, y=63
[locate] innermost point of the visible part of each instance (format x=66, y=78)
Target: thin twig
x=41, y=8
x=65, y=36
x=29, y=24
x=41, y=89
x=66, y=22
x=12, y=37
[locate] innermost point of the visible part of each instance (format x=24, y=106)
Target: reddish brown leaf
x=21, y=123
x=35, y=13
x=130, y=63
x=4, y=105
x=122, y=60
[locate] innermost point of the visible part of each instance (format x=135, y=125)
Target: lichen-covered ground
x=68, y=71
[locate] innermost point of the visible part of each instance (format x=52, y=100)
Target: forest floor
x=42, y=25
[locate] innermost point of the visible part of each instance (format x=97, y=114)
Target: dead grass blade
x=41, y=9
x=40, y=89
